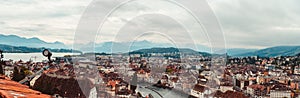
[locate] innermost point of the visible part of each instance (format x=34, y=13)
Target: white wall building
x=280, y=94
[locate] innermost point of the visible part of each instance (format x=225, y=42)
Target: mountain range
x=123, y=47
x=169, y=50
x=267, y=52
x=274, y=51
x=238, y=51
x=34, y=42
x=23, y=49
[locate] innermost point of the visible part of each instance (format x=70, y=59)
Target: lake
x=36, y=57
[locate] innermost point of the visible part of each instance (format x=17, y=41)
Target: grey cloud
x=2, y=23
x=254, y=20
x=246, y=23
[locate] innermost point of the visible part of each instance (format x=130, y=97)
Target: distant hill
x=119, y=47
x=15, y=40
x=159, y=50
x=123, y=47
x=237, y=51
x=169, y=50
x=274, y=51
x=22, y=49
x=14, y=43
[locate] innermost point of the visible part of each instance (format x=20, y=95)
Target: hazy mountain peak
x=15, y=40
x=274, y=51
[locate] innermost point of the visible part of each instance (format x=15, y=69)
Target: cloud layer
x=246, y=23
x=49, y=20
x=257, y=23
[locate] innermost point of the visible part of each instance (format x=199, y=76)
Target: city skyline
x=149, y=49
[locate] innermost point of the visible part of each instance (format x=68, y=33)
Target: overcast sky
x=245, y=23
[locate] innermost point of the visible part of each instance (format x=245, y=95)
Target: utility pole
x=1, y=62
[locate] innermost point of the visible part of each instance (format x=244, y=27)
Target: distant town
x=148, y=73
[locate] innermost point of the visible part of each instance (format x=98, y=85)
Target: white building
x=200, y=91
x=226, y=88
x=8, y=70
x=280, y=94
x=280, y=91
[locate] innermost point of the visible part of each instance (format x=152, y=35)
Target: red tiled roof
x=229, y=94
x=199, y=88
x=11, y=89
x=280, y=87
x=257, y=87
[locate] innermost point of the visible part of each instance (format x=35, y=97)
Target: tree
x=1, y=70
x=298, y=54
x=22, y=74
x=16, y=74
x=28, y=72
x=1, y=67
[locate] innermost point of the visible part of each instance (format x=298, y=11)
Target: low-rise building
x=280, y=91
x=256, y=90
x=199, y=91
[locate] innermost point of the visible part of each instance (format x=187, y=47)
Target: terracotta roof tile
x=11, y=89
x=199, y=88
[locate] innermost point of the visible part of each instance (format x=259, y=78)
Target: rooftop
x=12, y=89
x=257, y=87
